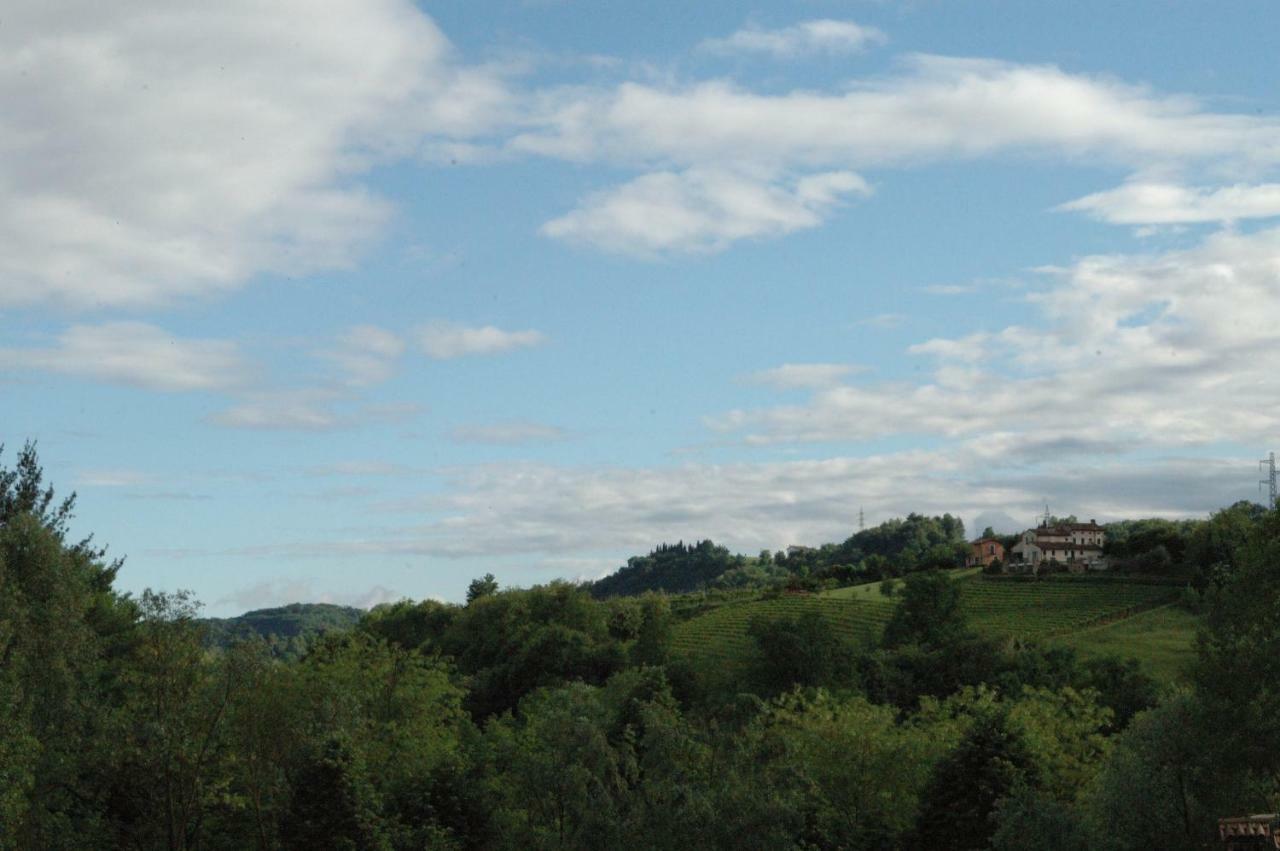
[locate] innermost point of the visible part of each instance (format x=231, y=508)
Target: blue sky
x=358, y=302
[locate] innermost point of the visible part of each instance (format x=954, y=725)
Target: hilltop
x=285, y=628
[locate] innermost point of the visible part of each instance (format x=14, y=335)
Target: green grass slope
x=1163, y=640
x=1064, y=611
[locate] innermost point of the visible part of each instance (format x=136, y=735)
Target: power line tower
x=862, y=520
x=1268, y=466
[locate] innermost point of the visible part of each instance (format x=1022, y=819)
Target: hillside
x=1049, y=610
x=674, y=568
x=915, y=542
x=284, y=627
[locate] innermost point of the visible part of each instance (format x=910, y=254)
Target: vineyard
x=1043, y=609
x=999, y=609
x=720, y=636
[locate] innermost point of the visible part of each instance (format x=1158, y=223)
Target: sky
x=357, y=300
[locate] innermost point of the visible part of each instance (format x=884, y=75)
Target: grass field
x=1162, y=639
x=1115, y=619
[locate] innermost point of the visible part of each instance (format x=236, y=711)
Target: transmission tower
x=1268, y=466
x=862, y=520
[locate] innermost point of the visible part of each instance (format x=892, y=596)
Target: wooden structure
x=1249, y=833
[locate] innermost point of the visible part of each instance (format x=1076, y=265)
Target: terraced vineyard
x=721, y=635
x=1004, y=609
x=1042, y=609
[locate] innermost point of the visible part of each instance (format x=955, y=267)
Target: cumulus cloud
x=934, y=108
x=701, y=210
x=513, y=433
x=446, y=341
x=1142, y=203
x=155, y=153
x=1158, y=349
x=714, y=153
x=136, y=354
x=817, y=36
x=791, y=376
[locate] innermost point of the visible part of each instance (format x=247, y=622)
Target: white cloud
x=1141, y=203
x=156, y=153
x=791, y=376
x=309, y=409
x=816, y=36
x=935, y=108
x=365, y=355
x=514, y=433
x=701, y=210
x=136, y=354
x=113, y=478
x=602, y=514
x=950, y=289
x=280, y=592
x=883, y=321
x=445, y=341
x=300, y=410
x=360, y=469
x=720, y=159
x=1166, y=350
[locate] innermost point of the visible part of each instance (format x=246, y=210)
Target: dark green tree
x=334, y=804
x=482, y=587
x=803, y=650
x=928, y=612
x=958, y=805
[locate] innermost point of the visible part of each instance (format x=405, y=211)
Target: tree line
x=547, y=718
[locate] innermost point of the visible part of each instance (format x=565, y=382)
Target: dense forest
x=549, y=718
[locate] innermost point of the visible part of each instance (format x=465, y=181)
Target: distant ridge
x=286, y=628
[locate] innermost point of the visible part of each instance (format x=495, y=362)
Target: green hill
x=1163, y=640
x=674, y=568
x=1079, y=613
x=286, y=628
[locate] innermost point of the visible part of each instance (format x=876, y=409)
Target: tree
x=957, y=806
x=1152, y=792
x=22, y=491
x=334, y=804
x=177, y=702
x=799, y=651
x=653, y=637
x=1239, y=654
x=482, y=587
x=928, y=612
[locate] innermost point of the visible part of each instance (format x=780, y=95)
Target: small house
x=983, y=552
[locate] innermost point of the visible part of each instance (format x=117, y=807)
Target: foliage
x=803, y=650
x=546, y=718
x=928, y=612
x=286, y=629
x=960, y=799
x=674, y=568
x=482, y=587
